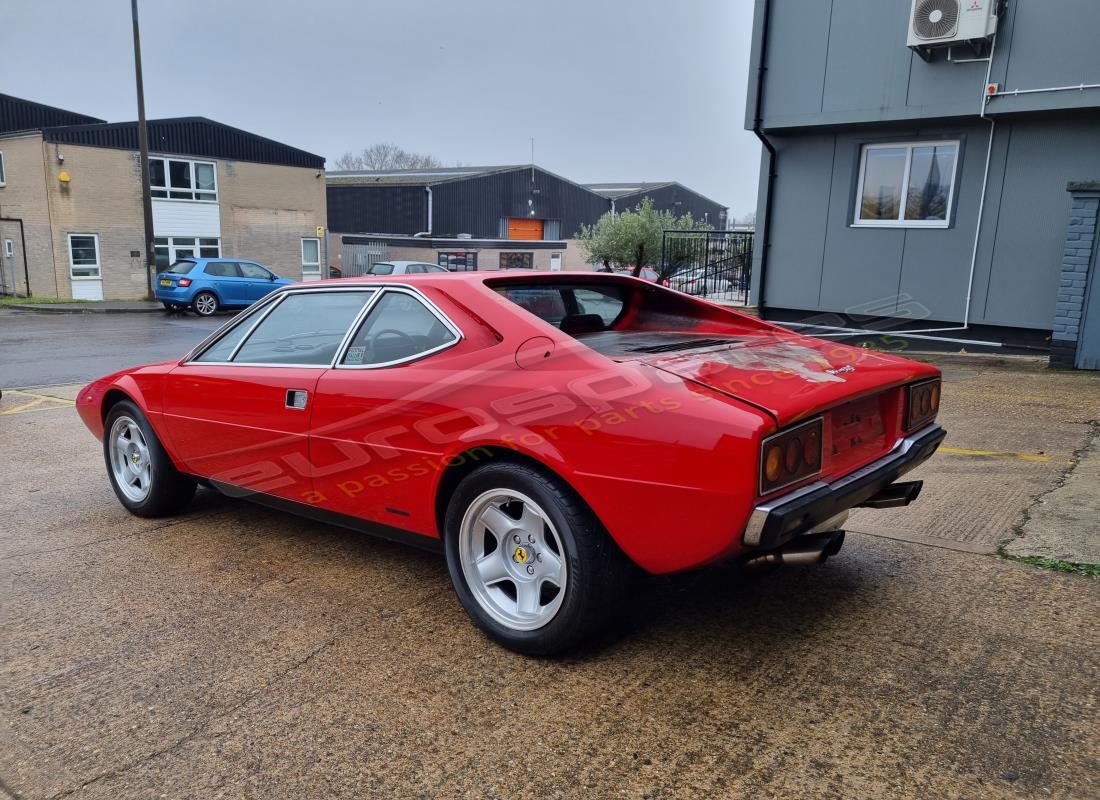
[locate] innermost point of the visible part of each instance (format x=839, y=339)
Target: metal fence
x=357, y=259
x=716, y=265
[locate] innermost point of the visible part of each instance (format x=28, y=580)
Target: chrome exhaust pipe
x=805, y=550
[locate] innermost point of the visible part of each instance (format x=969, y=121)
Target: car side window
x=222, y=349
x=305, y=328
x=381, y=268
x=414, y=269
x=254, y=271
x=222, y=269
x=398, y=328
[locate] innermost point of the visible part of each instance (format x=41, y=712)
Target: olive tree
x=632, y=239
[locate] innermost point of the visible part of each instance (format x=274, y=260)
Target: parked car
x=646, y=274
x=701, y=283
x=206, y=284
x=404, y=268
x=549, y=432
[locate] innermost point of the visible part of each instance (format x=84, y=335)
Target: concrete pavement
x=240, y=653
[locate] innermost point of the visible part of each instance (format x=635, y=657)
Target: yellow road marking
x=33, y=405
x=962, y=451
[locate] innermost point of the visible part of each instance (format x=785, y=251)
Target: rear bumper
x=781, y=519
x=174, y=294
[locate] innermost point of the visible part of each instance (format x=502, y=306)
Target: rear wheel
x=205, y=304
x=529, y=561
x=142, y=475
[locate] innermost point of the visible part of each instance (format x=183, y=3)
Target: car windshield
x=181, y=267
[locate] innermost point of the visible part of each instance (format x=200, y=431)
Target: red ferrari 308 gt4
x=549, y=432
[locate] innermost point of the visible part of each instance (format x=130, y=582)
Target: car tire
x=205, y=304
x=142, y=474
x=496, y=575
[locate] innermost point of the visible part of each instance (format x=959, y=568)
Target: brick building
x=70, y=201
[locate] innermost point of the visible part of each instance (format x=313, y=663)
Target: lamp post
x=143, y=149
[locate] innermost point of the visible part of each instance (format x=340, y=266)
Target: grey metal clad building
x=481, y=217
x=666, y=196
x=882, y=203
x=480, y=201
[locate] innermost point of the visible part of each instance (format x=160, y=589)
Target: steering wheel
x=373, y=341
x=394, y=332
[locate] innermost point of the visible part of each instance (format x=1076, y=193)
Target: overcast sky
x=611, y=90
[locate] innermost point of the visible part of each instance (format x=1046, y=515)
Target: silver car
x=404, y=268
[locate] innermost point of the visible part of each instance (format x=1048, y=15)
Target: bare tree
x=348, y=161
x=383, y=155
x=386, y=155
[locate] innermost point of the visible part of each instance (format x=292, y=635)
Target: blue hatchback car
x=206, y=284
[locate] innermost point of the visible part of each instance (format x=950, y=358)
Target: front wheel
x=204, y=304
x=143, y=476
x=529, y=561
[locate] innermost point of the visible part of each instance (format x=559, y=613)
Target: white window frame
x=196, y=247
x=901, y=222
x=306, y=264
x=3, y=170
x=167, y=188
x=98, y=259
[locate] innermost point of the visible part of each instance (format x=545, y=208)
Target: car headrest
x=581, y=323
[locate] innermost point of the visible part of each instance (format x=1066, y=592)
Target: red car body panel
x=664, y=448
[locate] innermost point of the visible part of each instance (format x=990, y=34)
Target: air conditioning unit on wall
x=943, y=23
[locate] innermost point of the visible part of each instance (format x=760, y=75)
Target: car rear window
x=181, y=267
x=573, y=308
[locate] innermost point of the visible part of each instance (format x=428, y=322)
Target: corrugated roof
x=414, y=177
x=190, y=136
x=613, y=190
x=17, y=114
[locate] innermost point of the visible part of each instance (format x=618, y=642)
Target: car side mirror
x=271, y=276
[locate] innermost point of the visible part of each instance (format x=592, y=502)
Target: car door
x=239, y=411
x=373, y=446
x=258, y=281
x=225, y=278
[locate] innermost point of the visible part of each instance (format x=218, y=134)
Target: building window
x=3, y=172
x=9, y=248
x=909, y=185
x=517, y=260
x=458, y=262
x=84, y=255
x=181, y=179
x=169, y=250
x=311, y=257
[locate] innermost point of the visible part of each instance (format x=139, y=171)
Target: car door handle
x=297, y=398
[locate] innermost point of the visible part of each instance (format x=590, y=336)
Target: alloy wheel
x=512, y=559
x=131, y=464
x=206, y=304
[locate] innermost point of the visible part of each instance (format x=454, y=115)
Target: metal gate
x=357, y=259
x=716, y=265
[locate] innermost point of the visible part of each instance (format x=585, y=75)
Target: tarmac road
x=46, y=349
x=235, y=652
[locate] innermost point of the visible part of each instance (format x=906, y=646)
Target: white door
x=555, y=262
x=84, y=266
